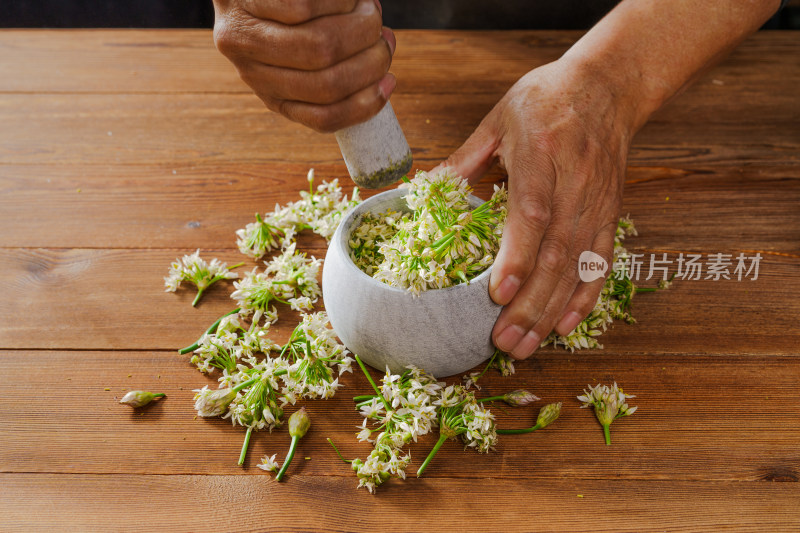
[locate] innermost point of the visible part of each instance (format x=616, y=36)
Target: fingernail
x=526, y=346
x=366, y=8
x=387, y=85
x=379, y=6
x=506, y=290
x=568, y=323
x=509, y=337
x=388, y=36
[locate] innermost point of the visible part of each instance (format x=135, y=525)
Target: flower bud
x=212, y=402
x=519, y=397
x=299, y=423
x=139, y=398
x=548, y=414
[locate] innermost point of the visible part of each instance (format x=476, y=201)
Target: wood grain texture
x=425, y=62
x=58, y=417
x=189, y=130
x=121, y=150
x=245, y=503
x=189, y=207
x=114, y=299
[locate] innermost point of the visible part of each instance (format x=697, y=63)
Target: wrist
x=632, y=93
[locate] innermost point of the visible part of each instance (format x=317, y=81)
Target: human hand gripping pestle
x=376, y=151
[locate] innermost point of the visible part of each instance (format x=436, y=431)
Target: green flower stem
x=363, y=397
x=653, y=289
x=197, y=298
x=209, y=331
x=488, y=366
x=237, y=388
x=289, y=458
x=337, y=452
x=607, y=434
x=158, y=395
x=244, y=385
x=490, y=398
x=245, y=445
x=374, y=387
x=210, y=283
x=517, y=431
x=435, y=449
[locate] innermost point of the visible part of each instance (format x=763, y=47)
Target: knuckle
x=533, y=215
x=323, y=121
x=384, y=57
x=272, y=104
x=525, y=314
x=327, y=87
x=296, y=11
x=248, y=73
x=226, y=38
x=553, y=257
x=319, y=50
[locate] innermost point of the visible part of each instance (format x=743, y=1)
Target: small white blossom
x=259, y=237
x=289, y=275
x=610, y=403
x=196, y=270
x=320, y=211
x=209, y=403
x=269, y=464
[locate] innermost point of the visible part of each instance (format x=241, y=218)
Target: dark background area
x=439, y=14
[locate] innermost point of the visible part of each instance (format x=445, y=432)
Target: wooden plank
x=426, y=62
x=186, y=61
x=114, y=299
x=184, y=130
x=144, y=206
x=245, y=503
x=140, y=61
x=701, y=418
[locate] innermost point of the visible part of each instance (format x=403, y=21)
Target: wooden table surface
x=121, y=150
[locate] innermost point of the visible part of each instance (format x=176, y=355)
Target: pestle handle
x=376, y=151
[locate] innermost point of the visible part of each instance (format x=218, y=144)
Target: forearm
x=647, y=51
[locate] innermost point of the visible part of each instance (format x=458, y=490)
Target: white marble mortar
x=445, y=331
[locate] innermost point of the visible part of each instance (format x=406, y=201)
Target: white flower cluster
x=233, y=341
x=408, y=406
x=320, y=211
x=258, y=377
x=257, y=405
x=313, y=351
x=194, y=269
x=460, y=414
x=404, y=411
x=289, y=278
x=610, y=403
x=441, y=241
x=302, y=368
